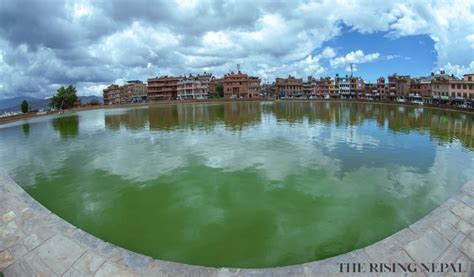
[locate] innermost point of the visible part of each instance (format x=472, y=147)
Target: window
x=452, y=86
x=459, y=86
x=464, y=86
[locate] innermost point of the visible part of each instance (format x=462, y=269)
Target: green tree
x=24, y=106
x=220, y=89
x=64, y=98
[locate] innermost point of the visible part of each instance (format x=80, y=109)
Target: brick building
x=289, y=87
x=132, y=91
x=420, y=89
x=382, y=88
x=440, y=87
x=162, y=88
x=111, y=95
x=326, y=87
x=240, y=85
x=398, y=86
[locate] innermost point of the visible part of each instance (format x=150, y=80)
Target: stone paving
x=36, y=242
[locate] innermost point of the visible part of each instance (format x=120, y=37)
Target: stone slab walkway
x=36, y=242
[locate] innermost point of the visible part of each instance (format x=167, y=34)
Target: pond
x=242, y=184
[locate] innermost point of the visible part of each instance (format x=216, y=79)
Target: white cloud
x=354, y=57
x=81, y=38
x=459, y=70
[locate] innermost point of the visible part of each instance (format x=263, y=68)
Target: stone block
x=467, y=248
x=464, y=211
x=88, y=263
x=6, y=259
x=428, y=247
x=113, y=269
x=32, y=241
x=405, y=235
x=59, y=253
x=18, y=251
x=9, y=216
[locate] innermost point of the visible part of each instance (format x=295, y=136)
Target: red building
x=240, y=85
x=162, y=88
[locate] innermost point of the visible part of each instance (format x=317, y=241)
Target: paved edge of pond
x=36, y=242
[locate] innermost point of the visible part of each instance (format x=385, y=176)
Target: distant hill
x=13, y=104
x=16, y=101
x=88, y=99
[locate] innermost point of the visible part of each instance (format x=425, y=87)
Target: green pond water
x=242, y=184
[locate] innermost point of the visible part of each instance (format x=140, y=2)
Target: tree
x=220, y=89
x=24, y=106
x=64, y=98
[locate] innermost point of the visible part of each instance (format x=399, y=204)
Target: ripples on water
x=242, y=184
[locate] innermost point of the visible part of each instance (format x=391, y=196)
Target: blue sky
x=412, y=55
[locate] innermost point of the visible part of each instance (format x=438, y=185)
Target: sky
x=90, y=44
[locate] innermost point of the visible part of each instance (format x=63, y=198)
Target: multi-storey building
x=420, y=89
x=309, y=87
x=440, y=87
x=205, y=79
x=344, y=85
x=370, y=92
x=462, y=91
x=382, y=88
x=350, y=87
x=398, y=86
x=326, y=87
x=162, y=88
x=192, y=87
x=111, y=95
x=132, y=91
x=289, y=87
x=240, y=85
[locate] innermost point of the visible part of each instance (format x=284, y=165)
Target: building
x=440, y=87
x=326, y=88
x=269, y=91
x=112, y=95
x=240, y=85
x=290, y=87
x=344, y=85
x=192, y=87
x=398, y=86
x=382, y=88
x=370, y=92
x=133, y=91
x=461, y=92
x=420, y=90
x=163, y=88
x=350, y=87
x=309, y=87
